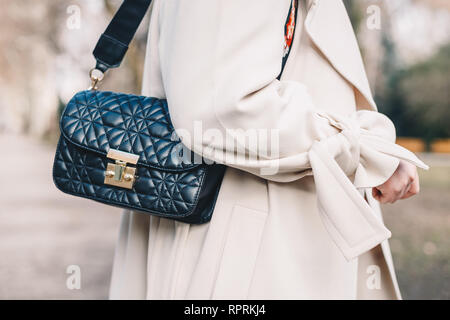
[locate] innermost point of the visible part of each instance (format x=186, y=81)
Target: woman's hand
x=403, y=184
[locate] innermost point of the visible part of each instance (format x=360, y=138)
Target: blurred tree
x=387, y=96
x=440, y=4
x=425, y=89
x=28, y=50
x=355, y=13
x=417, y=97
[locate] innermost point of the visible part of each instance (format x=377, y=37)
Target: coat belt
x=350, y=221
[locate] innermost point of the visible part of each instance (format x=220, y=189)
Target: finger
x=407, y=189
x=394, y=193
x=376, y=193
x=387, y=198
x=417, y=182
x=414, y=189
x=381, y=195
x=384, y=200
x=408, y=195
x=415, y=186
x=385, y=194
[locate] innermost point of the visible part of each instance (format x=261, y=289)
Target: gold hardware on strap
x=120, y=174
x=96, y=76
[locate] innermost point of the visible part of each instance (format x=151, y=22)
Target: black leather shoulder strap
x=113, y=43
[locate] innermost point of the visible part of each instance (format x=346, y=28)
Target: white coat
x=312, y=229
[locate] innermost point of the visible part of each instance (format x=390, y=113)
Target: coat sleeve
x=219, y=65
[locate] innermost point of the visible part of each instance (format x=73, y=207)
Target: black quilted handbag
x=121, y=149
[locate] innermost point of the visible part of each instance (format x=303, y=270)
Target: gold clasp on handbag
x=119, y=173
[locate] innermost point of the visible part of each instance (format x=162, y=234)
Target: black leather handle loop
x=113, y=43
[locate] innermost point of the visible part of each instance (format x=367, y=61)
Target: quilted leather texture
x=95, y=121
x=99, y=120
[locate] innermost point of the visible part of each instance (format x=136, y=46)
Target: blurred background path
x=43, y=231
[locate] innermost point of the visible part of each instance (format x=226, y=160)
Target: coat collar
x=330, y=29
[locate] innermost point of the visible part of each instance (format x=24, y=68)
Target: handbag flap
x=100, y=120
